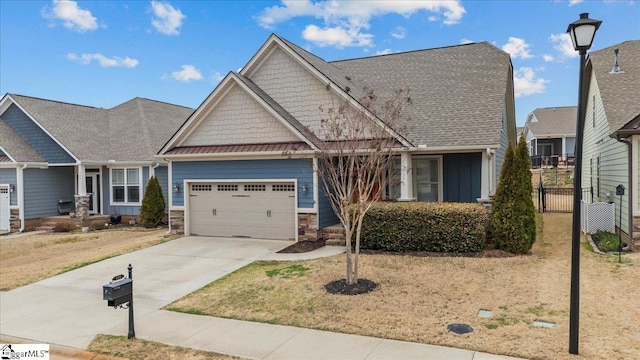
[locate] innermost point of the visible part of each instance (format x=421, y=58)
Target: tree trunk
x=351, y=276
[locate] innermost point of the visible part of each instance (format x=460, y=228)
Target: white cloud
x=399, y=32
x=466, y=41
x=188, y=73
x=562, y=43
x=73, y=17
x=526, y=83
x=574, y=2
x=384, y=52
x=345, y=22
x=518, y=48
x=86, y=59
x=336, y=36
x=433, y=18
x=548, y=58
x=167, y=19
x=216, y=77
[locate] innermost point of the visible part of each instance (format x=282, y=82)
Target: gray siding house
x=52, y=151
x=551, y=135
x=612, y=130
x=231, y=162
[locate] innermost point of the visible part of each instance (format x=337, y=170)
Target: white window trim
x=440, y=174
x=126, y=203
x=414, y=178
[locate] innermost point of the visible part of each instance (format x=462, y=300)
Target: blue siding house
x=247, y=155
x=98, y=160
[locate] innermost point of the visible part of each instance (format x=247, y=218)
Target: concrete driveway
x=68, y=309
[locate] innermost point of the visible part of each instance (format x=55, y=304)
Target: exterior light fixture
x=582, y=32
x=304, y=188
x=176, y=187
x=12, y=188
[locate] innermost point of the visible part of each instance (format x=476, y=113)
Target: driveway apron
x=68, y=309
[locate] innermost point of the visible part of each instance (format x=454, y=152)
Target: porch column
x=406, y=177
x=82, y=182
x=82, y=199
x=485, y=182
x=564, y=148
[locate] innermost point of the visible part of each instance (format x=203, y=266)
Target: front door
x=93, y=190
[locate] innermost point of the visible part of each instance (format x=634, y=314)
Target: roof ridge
x=413, y=51
x=55, y=101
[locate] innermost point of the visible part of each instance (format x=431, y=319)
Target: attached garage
x=264, y=210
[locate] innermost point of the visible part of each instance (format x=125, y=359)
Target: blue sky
x=103, y=53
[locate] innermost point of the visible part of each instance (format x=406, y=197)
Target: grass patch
x=120, y=346
x=31, y=258
x=289, y=272
x=606, y=241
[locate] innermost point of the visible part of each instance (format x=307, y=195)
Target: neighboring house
x=611, y=154
x=243, y=163
x=551, y=135
x=52, y=151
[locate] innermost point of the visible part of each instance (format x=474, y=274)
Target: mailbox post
x=119, y=292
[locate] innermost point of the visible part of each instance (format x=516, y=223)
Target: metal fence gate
x=556, y=200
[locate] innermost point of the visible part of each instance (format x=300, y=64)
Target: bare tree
x=353, y=163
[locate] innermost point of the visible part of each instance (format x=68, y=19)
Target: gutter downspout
x=630, y=186
x=21, y=197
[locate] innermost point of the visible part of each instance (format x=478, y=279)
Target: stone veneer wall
x=176, y=222
x=308, y=227
x=14, y=220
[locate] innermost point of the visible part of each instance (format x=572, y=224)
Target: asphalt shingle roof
x=458, y=92
x=15, y=146
x=620, y=92
x=554, y=121
x=134, y=130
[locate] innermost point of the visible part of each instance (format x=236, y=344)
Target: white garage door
x=255, y=210
x=4, y=208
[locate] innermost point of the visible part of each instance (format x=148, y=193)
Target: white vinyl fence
x=597, y=216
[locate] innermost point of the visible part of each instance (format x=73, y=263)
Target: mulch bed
x=302, y=247
x=363, y=286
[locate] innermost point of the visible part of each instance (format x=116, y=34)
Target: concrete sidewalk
x=68, y=310
x=254, y=340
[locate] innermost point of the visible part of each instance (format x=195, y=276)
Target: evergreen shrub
x=417, y=226
x=152, y=209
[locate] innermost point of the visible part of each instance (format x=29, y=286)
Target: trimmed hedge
x=417, y=226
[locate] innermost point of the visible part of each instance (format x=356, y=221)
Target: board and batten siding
x=35, y=136
x=239, y=119
x=43, y=188
x=296, y=89
x=612, y=154
x=326, y=215
x=300, y=169
x=9, y=176
x=462, y=176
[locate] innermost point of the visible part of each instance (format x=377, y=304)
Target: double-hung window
x=426, y=177
x=125, y=185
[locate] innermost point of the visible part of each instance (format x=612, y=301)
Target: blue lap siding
x=8, y=176
x=300, y=169
x=44, y=187
x=35, y=136
x=462, y=175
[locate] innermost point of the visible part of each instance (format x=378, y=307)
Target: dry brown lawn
x=135, y=349
x=417, y=297
x=30, y=258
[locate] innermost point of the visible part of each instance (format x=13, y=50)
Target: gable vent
x=616, y=66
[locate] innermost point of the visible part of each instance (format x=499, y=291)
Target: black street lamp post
x=582, y=32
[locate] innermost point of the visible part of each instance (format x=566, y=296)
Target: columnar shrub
x=513, y=223
x=152, y=209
